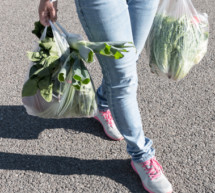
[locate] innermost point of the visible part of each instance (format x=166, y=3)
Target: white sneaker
x=110, y=129
x=151, y=174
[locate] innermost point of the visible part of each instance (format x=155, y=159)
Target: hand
x=47, y=11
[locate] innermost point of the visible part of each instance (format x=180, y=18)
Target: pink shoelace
x=108, y=117
x=153, y=168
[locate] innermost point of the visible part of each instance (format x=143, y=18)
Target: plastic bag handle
x=62, y=29
x=60, y=38
x=54, y=29
x=43, y=36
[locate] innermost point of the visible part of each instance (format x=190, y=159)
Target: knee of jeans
x=126, y=86
x=120, y=74
x=125, y=74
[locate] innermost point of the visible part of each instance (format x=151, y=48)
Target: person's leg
x=110, y=21
x=104, y=115
x=102, y=97
x=141, y=14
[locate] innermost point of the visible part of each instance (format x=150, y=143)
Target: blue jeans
x=121, y=20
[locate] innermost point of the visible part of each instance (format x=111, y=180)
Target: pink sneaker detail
x=152, y=168
x=152, y=176
x=108, y=117
x=110, y=129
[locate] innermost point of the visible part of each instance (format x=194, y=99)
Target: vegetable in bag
x=178, y=39
x=59, y=84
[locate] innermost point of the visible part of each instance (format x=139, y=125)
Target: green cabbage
x=176, y=45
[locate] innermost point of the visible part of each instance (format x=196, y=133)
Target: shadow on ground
x=117, y=170
x=15, y=123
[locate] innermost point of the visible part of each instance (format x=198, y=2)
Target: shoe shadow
x=117, y=170
x=15, y=123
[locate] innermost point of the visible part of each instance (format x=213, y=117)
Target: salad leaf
x=65, y=69
x=39, y=28
x=80, y=74
x=110, y=49
x=45, y=61
x=176, y=45
x=30, y=87
x=46, y=93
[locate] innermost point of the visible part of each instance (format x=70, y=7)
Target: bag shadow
x=15, y=123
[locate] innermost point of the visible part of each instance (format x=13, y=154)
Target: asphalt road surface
x=74, y=155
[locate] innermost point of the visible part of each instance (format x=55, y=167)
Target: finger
x=53, y=12
x=43, y=16
x=44, y=22
x=44, y=19
x=56, y=9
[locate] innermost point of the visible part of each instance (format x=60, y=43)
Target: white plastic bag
x=66, y=100
x=178, y=39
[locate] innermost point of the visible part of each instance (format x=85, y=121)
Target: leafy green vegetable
x=63, y=81
x=176, y=45
x=46, y=93
x=30, y=87
x=80, y=73
x=110, y=49
x=65, y=69
x=39, y=28
x=45, y=62
x=87, y=49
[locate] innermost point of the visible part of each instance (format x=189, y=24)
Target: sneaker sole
x=115, y=139
x=132, y=165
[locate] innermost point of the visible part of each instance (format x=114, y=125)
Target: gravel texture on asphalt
x=74, y=155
